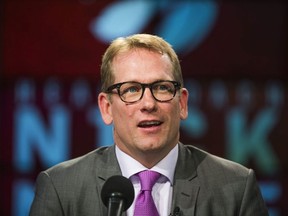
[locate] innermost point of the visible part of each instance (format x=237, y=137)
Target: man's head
x=146, y=111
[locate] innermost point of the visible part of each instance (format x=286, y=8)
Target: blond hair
x=142, y=41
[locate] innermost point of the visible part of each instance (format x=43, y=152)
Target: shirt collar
x=129, y=166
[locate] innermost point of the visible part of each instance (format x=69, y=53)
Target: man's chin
x=151, y=148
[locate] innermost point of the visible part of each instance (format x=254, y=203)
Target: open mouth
x=147, y=124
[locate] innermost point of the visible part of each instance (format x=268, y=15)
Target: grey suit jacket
x=204, y=185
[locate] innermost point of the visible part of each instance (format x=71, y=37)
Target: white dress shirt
x=162, y=190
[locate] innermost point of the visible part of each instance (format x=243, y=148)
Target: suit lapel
x=186, y=187
x=184, y=196
x=108, y=164
x=106, y=167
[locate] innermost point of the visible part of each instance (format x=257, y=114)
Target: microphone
x=117, y=194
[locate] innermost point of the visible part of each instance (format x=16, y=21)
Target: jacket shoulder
x=210, y=164
x=83, y=164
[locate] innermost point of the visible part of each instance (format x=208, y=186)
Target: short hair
x=137, y=41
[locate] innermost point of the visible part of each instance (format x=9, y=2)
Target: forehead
x=141, y=64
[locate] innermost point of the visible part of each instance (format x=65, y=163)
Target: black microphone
x=117, y=195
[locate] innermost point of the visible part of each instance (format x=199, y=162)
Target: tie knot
x=147, y=179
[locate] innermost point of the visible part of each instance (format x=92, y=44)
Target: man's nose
x=148, y=100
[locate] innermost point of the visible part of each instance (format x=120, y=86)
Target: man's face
x=132, y=133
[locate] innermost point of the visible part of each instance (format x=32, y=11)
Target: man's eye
x=163, y=87
x=131, y=89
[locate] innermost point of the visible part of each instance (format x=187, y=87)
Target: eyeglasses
x=130, y=92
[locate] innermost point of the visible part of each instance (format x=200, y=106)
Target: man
x=144, y=98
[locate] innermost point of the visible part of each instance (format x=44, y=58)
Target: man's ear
x=104, y=104
x=184, y=103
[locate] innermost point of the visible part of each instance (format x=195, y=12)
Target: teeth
x=149, y=123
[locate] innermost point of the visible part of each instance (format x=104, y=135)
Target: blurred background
x=234, y=61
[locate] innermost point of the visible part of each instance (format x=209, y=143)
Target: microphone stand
x=115, y=205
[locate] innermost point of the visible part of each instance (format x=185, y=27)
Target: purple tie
x=145, y=205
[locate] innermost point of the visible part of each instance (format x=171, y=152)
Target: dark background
x=236, y=75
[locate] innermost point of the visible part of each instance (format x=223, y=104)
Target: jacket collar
x=186, y=187
x=106, y=166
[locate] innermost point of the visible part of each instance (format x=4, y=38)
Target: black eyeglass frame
x=117, y=86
